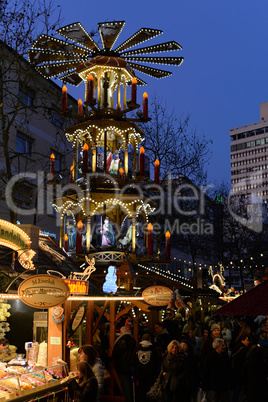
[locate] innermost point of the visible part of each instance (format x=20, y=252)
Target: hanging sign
x=43, y=291
x=77, y=287
x=157, y=295
x=78, y=317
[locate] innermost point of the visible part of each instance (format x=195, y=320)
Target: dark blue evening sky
x=223, y=78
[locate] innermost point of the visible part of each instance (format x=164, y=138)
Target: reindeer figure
x=84, y=276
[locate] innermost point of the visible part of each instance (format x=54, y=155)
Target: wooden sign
x=43, y=291
x=78, y=317
x=157, y=295
x=77, y=287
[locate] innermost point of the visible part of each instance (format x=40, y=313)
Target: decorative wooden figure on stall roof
x=84, y=276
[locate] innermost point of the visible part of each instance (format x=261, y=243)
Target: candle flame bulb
x=80, y=225
x=150, y=227
x=142, y=150
x=85, y=147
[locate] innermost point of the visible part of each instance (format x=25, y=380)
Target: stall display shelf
x=19, y=382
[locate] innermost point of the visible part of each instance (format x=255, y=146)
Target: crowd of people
x=223, y=360
x=220, y=360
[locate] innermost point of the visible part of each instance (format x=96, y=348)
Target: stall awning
x=254, y=302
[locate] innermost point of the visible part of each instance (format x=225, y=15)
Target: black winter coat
x=87, y=393
x=123, y=354
x=173, y=366
x=216, y=372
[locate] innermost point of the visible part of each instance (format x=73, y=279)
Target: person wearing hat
x=206, y=347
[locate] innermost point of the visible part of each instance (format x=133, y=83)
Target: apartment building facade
x=32, y=129
x=249, y=158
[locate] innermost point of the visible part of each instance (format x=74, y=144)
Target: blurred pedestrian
x=216, y=378
x=172, y=368
x=123, y=355
x=147, y=367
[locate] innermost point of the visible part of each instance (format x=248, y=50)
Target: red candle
x=64, y=99
x=66, y=243
x=141, y=164
x=72, y=174
x=52, y=163
x=90, y=88
x=79, y=237
x=150, y=239
x=156, y=171
x=85, y=158
x=145, y=105
x=80, y=107
x=167, y=248
x=134, y=91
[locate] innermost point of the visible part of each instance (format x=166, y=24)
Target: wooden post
x=88, y=233
x=94, y=157
x=89, y=322
x=112, y=327
x=136, y=325
x=126, y=156
x=134, y=167
x=75, y=161
x=124, y=95
x=67, y=319
x=105, y=152
x=55, y=340
x=133, y=246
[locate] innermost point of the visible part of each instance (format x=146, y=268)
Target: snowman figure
x=110, y=285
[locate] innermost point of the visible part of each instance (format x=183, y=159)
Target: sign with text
x=43, y=291
x=77, y=287
x=157, y=295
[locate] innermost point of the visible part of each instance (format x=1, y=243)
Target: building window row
x=251, y=133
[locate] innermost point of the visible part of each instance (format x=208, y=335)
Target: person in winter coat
x=87, y=353
x=162, y=338
x=238, y=360
x=123, y=356
x=146, y=367
x=206, y=346
x=85, y=387
x=256, y=373
x=172, y=372
x=191, y=378
x=215, y=377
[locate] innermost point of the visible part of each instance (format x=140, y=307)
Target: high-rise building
x=249, y=157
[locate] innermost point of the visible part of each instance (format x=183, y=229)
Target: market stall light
x=103, y=298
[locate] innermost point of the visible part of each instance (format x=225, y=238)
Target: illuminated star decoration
x=54, y=57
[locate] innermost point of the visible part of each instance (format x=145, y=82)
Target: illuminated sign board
x=77, y=287
x=13, y=237
x=157, y=295
x=43, y=291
